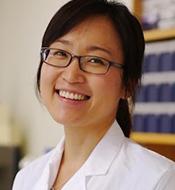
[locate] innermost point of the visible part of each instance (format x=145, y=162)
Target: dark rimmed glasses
x=91, y=64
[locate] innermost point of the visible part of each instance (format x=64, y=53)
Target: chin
x=66, y=120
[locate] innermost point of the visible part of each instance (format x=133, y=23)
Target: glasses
x=91, y=64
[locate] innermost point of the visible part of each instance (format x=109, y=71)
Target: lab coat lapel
x=104, y=153
x=76, y=182
x=43, y=182
x=49, y=173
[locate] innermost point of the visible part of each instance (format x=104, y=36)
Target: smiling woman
x=91, y=62
x=87, y=75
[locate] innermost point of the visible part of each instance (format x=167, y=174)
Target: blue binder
x=152, y=93
x=152, y=63
x=151, y=123
x=166, y=61
x=165, y=93
x=138, y=122
x=165, y=123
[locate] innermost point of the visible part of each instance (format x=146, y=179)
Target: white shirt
x=116, y=163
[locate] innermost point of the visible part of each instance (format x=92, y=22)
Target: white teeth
x=71, y=95
x=66, y=94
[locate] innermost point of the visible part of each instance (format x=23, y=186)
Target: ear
x=125, y=94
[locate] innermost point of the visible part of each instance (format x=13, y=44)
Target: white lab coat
x=116, y=163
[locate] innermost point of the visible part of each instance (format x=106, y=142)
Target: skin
x=85, y=122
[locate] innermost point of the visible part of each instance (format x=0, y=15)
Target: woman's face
x=98, y=94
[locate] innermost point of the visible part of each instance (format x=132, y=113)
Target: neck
x=80, y=141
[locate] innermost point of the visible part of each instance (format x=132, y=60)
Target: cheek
x=107, y=90
x=112, y=85
x=47, y=80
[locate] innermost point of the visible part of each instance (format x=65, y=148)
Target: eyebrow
x=90, y=48
x=64, y=42
x=96, y=48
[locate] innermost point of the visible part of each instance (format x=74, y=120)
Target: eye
x=96, y=60
x=59, y=53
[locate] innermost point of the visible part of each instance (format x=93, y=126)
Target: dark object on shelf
x=173, y=54
x=151, y=123
x=9, y=158
x=156, y=93
x=173, y=92
x=166, y=123
x=140, y=97
x=166, y=61
x=165, y=93
x=173, y=123
x=138, y=123
x=159, y=62
x=151, y=63
x=150, y=23
x=154, y=123
x=152, y=93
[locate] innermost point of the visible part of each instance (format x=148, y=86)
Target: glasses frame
x=72, y=56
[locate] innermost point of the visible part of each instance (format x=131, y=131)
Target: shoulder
x=146, y=157
x=167, y=180
x=29, y=174
x=149, y=166
x=39, y=169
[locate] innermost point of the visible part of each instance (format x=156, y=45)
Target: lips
x=72, y=95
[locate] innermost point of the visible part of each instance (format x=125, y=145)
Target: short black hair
x=128, y=28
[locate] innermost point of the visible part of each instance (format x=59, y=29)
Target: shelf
x=163, y=143
x=159, y=34
x=154, y=34
x=153, y=138
x=158, y=77
x=154, y=108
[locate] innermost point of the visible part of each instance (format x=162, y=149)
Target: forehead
x=94, y=31
x=93, y=26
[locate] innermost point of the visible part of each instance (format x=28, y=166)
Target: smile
x=71, y=95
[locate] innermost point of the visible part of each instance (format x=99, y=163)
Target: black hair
x=131, y=35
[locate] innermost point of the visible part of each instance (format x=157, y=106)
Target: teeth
x=71, y=95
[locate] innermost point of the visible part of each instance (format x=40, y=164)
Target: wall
x=22, y=25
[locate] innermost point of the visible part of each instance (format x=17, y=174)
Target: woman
x=91, y=59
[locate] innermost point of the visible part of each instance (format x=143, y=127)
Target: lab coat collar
x=104, y=153
x=98, y=162
x=49, y=173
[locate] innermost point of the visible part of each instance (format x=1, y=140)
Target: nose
x=72, y=73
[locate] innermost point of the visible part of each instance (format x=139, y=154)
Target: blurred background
x=27, y=130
